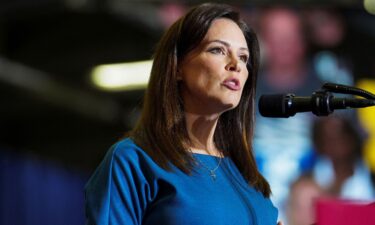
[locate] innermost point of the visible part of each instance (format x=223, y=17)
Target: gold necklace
x=211, y=171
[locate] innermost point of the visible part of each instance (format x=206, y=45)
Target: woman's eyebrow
x=227, y=44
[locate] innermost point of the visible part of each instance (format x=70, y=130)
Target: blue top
x=129, y=188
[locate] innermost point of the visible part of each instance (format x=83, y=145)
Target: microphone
x=321, y=103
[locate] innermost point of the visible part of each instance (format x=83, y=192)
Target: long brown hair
x=161, y=130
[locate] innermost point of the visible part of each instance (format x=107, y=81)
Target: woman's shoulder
x=125, y=146
x=126, y=149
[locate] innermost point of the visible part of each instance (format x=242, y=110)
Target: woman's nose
x=233, y=65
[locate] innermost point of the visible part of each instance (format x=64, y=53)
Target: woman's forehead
x=226, y=30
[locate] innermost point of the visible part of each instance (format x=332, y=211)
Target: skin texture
x=212, y=78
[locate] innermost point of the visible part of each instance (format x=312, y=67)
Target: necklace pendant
x=213, y=175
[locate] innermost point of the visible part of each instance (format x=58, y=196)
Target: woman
x=189, y=159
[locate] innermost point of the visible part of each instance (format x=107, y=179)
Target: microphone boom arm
x=320, y=103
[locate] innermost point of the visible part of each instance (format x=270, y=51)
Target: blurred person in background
x=340, y=169
x=189, y=160
x=283, y=147
x=326, y=30
x=301, y=201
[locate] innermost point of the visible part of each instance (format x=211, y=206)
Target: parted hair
x=161, y=129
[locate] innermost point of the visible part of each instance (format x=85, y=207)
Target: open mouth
x=232, y=84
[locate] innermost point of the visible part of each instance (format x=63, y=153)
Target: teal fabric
x=129, y=188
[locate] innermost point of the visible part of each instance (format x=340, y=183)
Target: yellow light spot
x=367, y=118
x=122, y=76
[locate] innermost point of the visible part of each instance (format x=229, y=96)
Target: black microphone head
x=273, y=105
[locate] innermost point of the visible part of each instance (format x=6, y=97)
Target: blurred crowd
x=305, y=157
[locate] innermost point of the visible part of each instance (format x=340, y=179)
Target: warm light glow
x=122, y=76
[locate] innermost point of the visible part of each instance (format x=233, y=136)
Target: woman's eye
x=244, y=58
x=217, y=50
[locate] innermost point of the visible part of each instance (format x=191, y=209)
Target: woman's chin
x=227, y=106
x=214, y=106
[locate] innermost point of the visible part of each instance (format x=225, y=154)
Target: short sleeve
x=117, y=193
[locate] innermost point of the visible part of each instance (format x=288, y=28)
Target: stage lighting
x=122, y=76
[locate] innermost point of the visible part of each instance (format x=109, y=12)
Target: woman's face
x=213, y=74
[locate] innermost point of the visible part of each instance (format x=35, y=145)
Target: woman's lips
x=232, y=84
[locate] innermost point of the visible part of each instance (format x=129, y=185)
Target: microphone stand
x=322, y=99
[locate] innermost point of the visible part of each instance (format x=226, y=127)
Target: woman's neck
x=201, y=130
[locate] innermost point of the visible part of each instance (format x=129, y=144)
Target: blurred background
x=65, y=97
